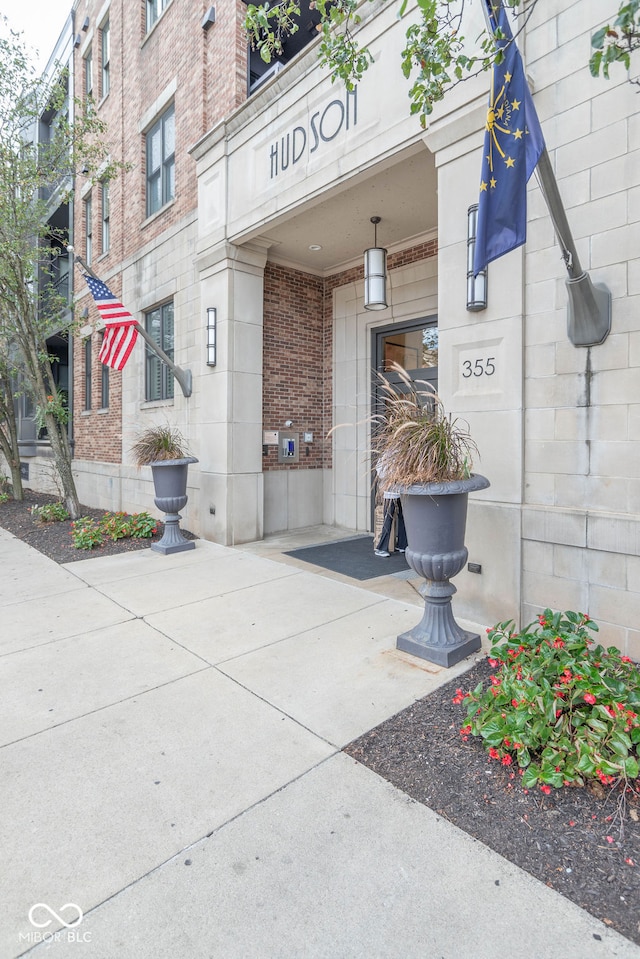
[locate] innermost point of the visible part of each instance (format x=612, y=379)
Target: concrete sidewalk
x=173, y=787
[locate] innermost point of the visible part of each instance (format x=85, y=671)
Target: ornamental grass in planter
x=415, y=440
x=424, y=456
x=158, y=443
x=164, y=449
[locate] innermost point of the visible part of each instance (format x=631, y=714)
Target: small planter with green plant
x=164, y=449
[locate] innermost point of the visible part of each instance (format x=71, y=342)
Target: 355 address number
x=486, y=367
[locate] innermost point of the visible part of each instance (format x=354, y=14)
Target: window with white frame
x=87, y=373
x=159, y=378
x=161, y=175
x=154, y=9
x=88, y=78
x=105, y=40
x=104, y=384
x=88, y=230
x=106, y=227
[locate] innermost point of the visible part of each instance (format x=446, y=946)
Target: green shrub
x=115, y=526
x=86, y=533
x=49, y=513
x=142, y=526
x=559, y=707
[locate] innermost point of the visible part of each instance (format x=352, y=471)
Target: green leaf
x=631, y=767
x=549, y=775
x=586, y=765
x=552, y=706
x=611, y=768
x=618, y=745
x=616, y=686
x=602, y=710
x=530, y=776
x=597, y=725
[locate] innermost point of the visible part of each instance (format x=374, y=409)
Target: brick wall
x=293, y=384
x=298, y=352
x=97, y=432
x=208, y=69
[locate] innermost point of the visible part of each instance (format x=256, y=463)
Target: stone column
x=230, y=395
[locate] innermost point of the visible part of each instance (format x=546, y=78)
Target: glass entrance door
x=414, y=346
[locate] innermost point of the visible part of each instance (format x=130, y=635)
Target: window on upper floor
x=154, y=9
x=159, y=379
x=87, y=373
x=57, y=271
x=106, y=230
x=88, y=230
x=308, y=24
x=105, y=42
x=88, y=78
x=161, y=179
x=104, y=384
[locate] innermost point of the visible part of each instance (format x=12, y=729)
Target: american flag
x=121, y=329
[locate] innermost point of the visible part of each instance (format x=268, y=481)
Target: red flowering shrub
x=565, y=710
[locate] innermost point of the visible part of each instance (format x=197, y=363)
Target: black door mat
x=352, y=557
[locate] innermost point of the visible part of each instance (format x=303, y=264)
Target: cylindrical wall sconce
x=211, y=336
x=375, y=273
x=476, y=285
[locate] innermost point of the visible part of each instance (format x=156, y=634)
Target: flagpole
x=182, y=376
x=589, y=306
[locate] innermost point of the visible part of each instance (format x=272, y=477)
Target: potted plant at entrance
x=425, y=457
x=164, y=450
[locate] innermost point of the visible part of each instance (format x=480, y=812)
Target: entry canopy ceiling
x=403, y=195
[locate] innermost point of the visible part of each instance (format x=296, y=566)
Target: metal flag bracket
x=589, y=305
x=182, y=376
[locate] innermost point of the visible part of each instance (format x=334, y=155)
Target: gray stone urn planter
x=435, y=516
x=170, y=483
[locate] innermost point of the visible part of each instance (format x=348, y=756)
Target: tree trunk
x=62, y=454
x=9, y=436
x=13, y=463
x=16, y=477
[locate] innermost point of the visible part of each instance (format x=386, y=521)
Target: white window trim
x=158, y=106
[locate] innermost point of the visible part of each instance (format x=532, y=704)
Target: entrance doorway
x=414, y=346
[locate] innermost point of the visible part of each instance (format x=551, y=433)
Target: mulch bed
x=54, y=539
x=583, y=842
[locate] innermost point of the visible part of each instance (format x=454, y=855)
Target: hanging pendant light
x=375, y=273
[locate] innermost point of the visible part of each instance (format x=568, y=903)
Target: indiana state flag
x=513, y=143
